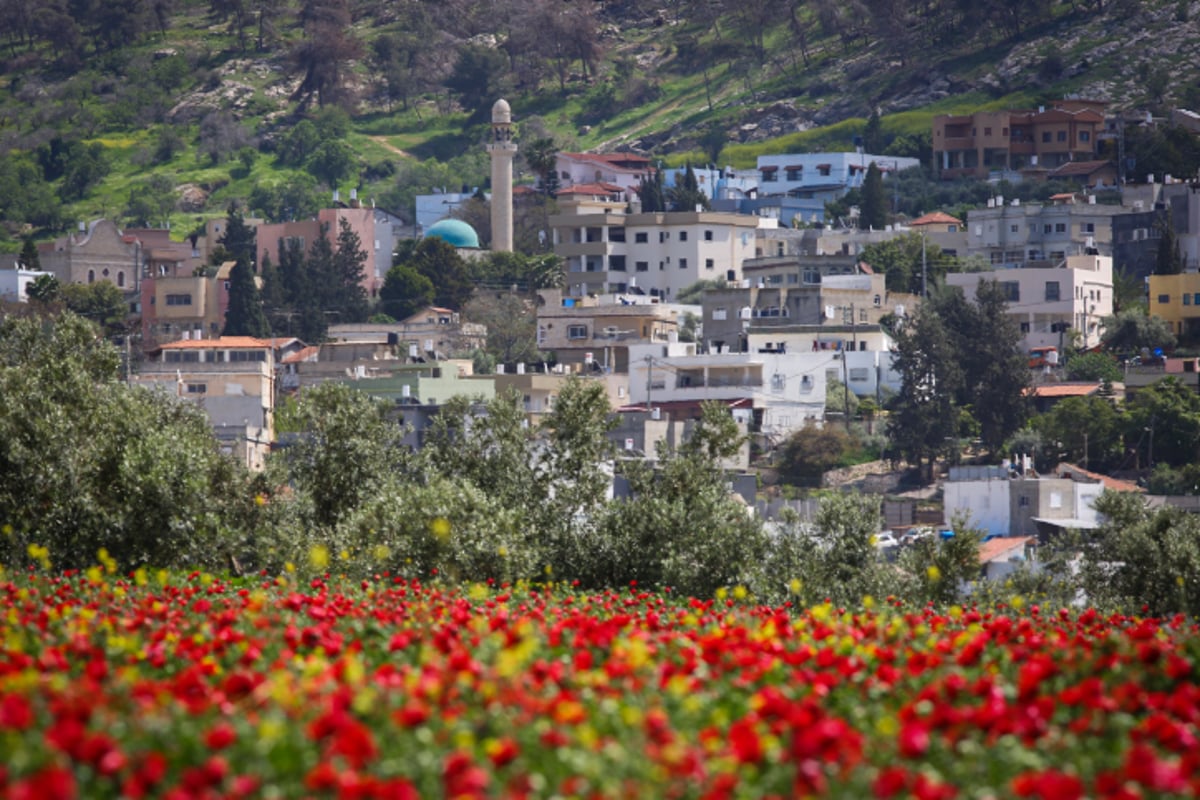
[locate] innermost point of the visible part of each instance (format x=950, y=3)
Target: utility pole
x=649, y=382
x=846, y=366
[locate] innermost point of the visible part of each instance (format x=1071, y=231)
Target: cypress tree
x=244, y=317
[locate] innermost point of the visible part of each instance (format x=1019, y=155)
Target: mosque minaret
x=502, y=150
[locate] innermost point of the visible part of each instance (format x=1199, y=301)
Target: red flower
x=743, y=737
x=914, y=740
x=15, y=713
x=220, y=736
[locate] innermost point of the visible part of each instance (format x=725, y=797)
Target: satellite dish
x=830, y=311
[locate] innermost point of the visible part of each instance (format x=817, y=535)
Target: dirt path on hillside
x=385, y=144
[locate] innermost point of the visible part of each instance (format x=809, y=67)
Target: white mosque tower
x=502, y=149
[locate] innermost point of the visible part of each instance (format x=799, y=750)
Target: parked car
x=886, y=539
x=915, y=535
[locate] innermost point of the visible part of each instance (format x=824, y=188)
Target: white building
x=14, y=283
x=801, y=174
x=1076, y=294
x=609, y=249
x=774, y=393
x=1003, y=502
x=625, y=170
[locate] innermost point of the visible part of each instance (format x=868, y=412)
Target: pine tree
x=686, y=194
x=239, y=239
x=29, y=259
x=873, y=214
x=244, y=317
x=350, y=300
x=1169, y=259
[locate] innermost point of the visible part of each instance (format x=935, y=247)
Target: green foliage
x=89, y=463
x=101, y=302
x=806, y=455
x=478, y=79
x=1093, y=366
x=873, y=215
x=441, y=264
x=1132, y=331
x=244, y=316
x=404, y=292
x=511, y=327
x=1142, y=558
x=910, y=263
x=1082, y=430
x=686, y=194
x=1164, y=423
x=941, y=568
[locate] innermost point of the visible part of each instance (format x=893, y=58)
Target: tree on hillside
x=324, y=52
x=541, y=155
x=28, y=257
x=349, y=298
x=686, y=195
x=238, y=240
x=923, y=423
x=244, y=316
x=441, y=264
x=478, y=79
x=873, y=214
x=995, y=371
x=1132, y=331
x=405, y=291
x=910, y=263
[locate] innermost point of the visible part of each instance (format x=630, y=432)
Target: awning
x=1068, y=522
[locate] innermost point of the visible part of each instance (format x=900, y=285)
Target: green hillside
x=153, y=111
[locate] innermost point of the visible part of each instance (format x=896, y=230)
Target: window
x=1014, y=228
x=577, y=331
x=1011, y=291
x=708, y=236
x=795, y=173
x=1187, y=299
x=1047, y=228
x=1061, y=136
x=683, y=236
x=616, y=234
x=197, y=388
x=708, y=263
x=641, y=238
x=793, y=278
x=663, y=236
x=1052, y=291
x=719, y=313
x=1060, y=227
x=1004, y=131
x=247, y=355
x=1196, y=299
x=859, y=375
x=770, y=175
x=1046, y=136
x=1089, y=227
x=179, y=299
x=862, y=315
x=616, y=263
x=878, y=301
x=642, y=266
x=1023, y=501
x=1085, y=136
x=683, y=263
x=1164, y=299
x=1056, y=499
x=91, y=276
x=823, y=170
x=121, y=278
x=987, y=131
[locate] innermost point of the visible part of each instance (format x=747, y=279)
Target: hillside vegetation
x=155, y=111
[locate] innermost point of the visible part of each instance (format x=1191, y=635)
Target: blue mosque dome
x=455, y=233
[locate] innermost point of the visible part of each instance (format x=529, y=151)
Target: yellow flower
x=795, y=586
x=934, y=573
x=440, y=528
x=318, y=556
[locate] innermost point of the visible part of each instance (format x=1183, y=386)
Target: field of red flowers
x=190, y=686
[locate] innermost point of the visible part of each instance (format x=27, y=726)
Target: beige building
x=596, y=332
x=182, y=304
x=1047, y=302
x=607, y=249
x=233, y=379
x=97, y=252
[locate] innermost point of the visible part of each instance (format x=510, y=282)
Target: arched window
x=91, y=276
x=121, y=278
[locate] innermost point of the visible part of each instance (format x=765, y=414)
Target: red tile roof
x=220, y=343
x=304, y=354
x=936, y=218
x=1080, y=168
x=592, y=188
x=1065, y=389
x=1001, y=546
x=1074, y=472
